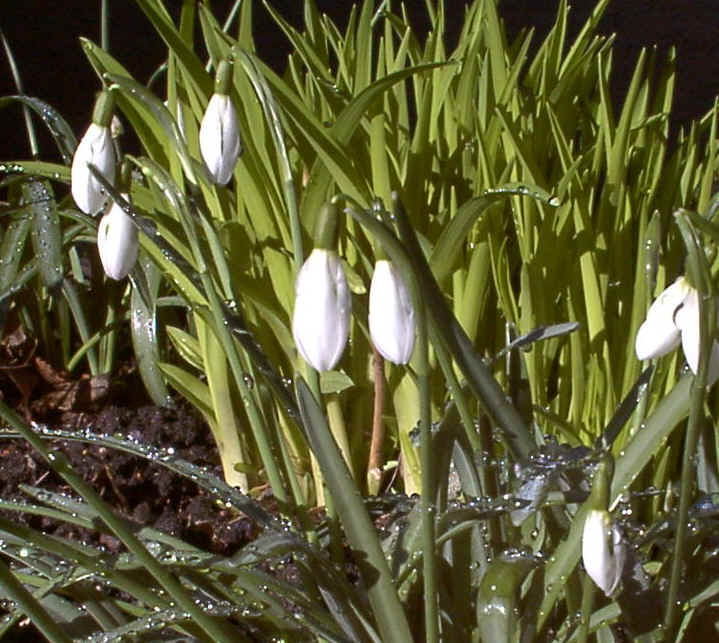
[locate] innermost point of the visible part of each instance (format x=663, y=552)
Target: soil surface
x=144, y=492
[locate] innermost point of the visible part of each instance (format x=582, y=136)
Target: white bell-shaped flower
x=672, y=319
x=603, y=552
x=391, y=315
x=321, y=319
x=117, y=242
x=220, y=138
x=94, y=148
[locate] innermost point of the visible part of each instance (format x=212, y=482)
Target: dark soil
x=144, y=492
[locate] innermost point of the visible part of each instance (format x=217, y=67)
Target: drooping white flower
x=672, y=319
x=603, y=552
x=117, y=242
x=220, y=138
x=321, y=319
x=391, y=315
x=94, y=148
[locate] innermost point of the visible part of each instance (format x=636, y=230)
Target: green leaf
x=56, y=124
x=143, y=329
x=359, y=529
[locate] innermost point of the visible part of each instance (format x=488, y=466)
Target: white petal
x=320, y=323
x=117, y=243
x=219, y=138
x=391, y=315
x=659, y=334
x=687, y=319
x=602, y=551
x=96, y=148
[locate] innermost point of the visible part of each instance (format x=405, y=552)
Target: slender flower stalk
x=95, y=148
x=391, y=314
x=117, y=242
x=219, y=132
x=673, y=319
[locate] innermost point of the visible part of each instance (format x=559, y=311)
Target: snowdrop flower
x=219, y=133
x=672, y=319
x=96, y=148
x=603, y=551
x=391, y=315
x=219, y=138
x=117, y=242
x=321, y=320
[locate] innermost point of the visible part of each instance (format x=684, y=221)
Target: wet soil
x=145, y=493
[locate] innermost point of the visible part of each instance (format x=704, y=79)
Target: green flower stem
x=486, y=486
x=700, y=277
x=588, y=590
x=217, y=630
x=109, y=339
x=395, y=251
x=375, y=460
x=105, y=25
x=323, y=494
x=14, y=589
x=29, y=125
x=429, y=563
x=685, y=496
x=223, y=78
x=103, y=109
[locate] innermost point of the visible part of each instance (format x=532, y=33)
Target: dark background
x=44, y=37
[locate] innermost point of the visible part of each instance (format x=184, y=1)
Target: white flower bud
x=603, y=552
x=321, y=319
x=219, y=138
x=659, y=335
x=391, y=315
x=117, y=242
x=94, y=148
